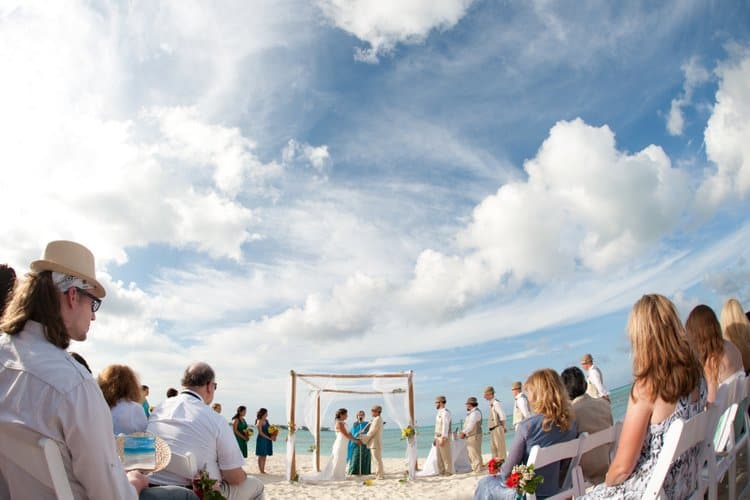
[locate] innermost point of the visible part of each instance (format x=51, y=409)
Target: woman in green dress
x=359, y=455
x=239, y=425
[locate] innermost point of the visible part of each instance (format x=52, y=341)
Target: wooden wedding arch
x=306, y=378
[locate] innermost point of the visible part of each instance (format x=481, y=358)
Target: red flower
x=494, y=465
x=513, y=480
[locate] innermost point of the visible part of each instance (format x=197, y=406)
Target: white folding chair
x=744, y=438
x=540, y=457
x=183, y=466
x=681, y=437
x=590, y=442
x=37, y=456
x=725, y=444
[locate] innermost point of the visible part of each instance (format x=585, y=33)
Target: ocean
x=394, y=447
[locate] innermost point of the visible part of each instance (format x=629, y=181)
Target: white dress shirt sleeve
x=595, y=378
x=446, y=430
x=471, y=420
x=498, y=409
x=87, y=425
x=228, y=452
x=523, y=406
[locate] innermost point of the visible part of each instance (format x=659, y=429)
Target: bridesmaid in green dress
x=264, y=443
x=239, y=424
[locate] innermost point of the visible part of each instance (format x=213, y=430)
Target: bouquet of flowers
x=248, y=432
x=523, y=479
x=273, y=431
x=493, y=466
x=407, y=432
x=205, y=487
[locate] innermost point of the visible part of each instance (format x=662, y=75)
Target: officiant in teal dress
x=358, y=456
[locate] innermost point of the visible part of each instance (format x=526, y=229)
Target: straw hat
x=516, y=385
x=472, y=401
x=163, y=454
x=586, y=358
x=70, y=258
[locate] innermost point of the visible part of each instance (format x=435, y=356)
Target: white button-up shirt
x=44, y=389
x=188, y=424
x=443, y=423
x=497, y=409
x=596, y=387
x=473, y=418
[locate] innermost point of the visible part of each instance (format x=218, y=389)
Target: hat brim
x=47, y=265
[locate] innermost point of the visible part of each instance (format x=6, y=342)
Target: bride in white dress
x=335, y=469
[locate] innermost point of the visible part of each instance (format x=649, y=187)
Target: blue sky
x=469, y=189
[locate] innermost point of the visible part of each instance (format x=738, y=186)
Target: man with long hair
x=44, y=390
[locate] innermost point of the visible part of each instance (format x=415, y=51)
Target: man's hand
x=607, y=399
x=462, y=435
x=138, y=480
x=443, y=440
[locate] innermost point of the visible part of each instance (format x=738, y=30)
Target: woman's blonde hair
x=664, y=364
x=704, y=334
x=549, y=398
x=119, y=382
x=736, y=328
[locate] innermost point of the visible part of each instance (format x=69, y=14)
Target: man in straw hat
x=521, y=408
x=472, y=433
x=374, y=440
x=495, y=423
x=45, y=392
x=442, y=437
x=594, y=379
x=189, y=424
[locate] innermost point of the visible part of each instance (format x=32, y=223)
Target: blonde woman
x=736, y=329
x=122, y=391
x=720, y=358
x=551, y=422
x=668, y=384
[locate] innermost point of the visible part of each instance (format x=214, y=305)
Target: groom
x=374, y=441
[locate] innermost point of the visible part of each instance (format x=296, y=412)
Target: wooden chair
x=681, y=437
x=589, y=442
x=539, y=457
x=37, y=456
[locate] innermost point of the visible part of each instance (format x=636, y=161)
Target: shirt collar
x=194, y=394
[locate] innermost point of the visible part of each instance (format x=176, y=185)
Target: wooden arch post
x=292, y=427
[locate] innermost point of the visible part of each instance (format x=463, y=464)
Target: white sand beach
x=458, y=486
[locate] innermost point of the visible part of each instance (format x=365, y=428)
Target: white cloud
x=695, y=75
x=727, y=135
x=316, y=156
x=386, y=23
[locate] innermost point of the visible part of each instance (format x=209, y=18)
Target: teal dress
x=263, y=445
x=360, y=458
x=241, y=427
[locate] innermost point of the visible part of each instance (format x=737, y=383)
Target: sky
x=469, y=189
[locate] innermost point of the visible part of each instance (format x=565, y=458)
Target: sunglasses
x=96, y=302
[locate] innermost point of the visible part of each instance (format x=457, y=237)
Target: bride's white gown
x=335, y=469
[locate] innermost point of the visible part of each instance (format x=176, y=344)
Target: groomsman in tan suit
x=521, y=410
x=472, y=433
x=443, y=437
x=374, y=441
x=496, y=423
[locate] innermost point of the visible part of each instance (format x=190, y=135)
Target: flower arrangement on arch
x=494, y=464
x=407, y=432
x=524, y=479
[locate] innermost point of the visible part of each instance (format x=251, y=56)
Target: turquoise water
x=394, y=447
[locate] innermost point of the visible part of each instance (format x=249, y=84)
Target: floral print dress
x=682, y=478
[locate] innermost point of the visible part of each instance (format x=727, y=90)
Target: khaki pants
x=474, y=448
x=250, y=489
x=444, y=457
x=377, y=456
x=497, y=442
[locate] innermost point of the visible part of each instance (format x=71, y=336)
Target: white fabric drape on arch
x=396, y=402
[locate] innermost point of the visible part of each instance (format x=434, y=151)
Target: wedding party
x=398, y=250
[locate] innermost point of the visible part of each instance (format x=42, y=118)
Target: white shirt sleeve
x=523, y=406
x=446, y=423
x=228, y=452
x=471, y=420
x=498, y=409
x=87, y=424
x=595, y=378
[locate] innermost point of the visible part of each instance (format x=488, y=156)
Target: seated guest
x=44, y=390
x=551, y=422
x=172, y=392
x=144, y=400
x=736, y=329
x=592, y=415
x=216, y=407
x=188, y=424
x=720, y=358
x=668, y=385
x=122, y=392
x=7, y=285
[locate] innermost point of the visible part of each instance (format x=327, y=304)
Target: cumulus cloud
x=315, y=156
x=727, y=134
x=386, y=23
x=695, y=75
x=586, y=206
